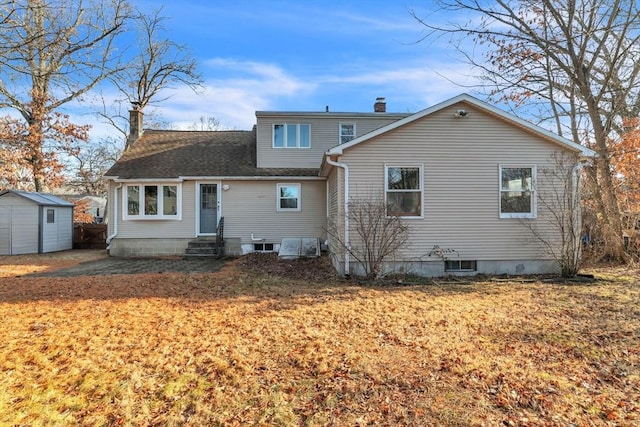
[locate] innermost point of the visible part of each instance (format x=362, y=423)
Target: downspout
x=115, y=215
x=347, y=241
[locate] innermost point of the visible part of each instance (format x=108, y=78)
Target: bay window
x=152, y=201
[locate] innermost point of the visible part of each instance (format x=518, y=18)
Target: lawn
x=242, y=347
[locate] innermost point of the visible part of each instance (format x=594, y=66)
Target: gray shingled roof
x=172, y=154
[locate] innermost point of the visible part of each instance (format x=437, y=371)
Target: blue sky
x=304, y=55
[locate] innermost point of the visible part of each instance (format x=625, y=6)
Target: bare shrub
x=373, y=238
x=560, y=208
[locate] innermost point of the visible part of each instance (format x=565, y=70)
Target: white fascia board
x=218, y=178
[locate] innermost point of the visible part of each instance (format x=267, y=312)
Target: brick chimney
x=135, y=123
x=380, y=106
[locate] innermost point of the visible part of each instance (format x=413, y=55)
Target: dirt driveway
x=98, y=263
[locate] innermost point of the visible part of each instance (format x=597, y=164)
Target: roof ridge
x=197, y=131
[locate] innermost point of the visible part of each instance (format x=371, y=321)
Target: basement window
x=456, y=265
x=263, y=247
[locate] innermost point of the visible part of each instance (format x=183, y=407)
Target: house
x=462, y=175
x=34, y=223
x=94, y=205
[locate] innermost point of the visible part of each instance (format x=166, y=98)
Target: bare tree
x=560, y=205
x=52, y=53
x=576, y=62
x=207, y=123
x=376, y=237
x=159, y=64
x=89, y=165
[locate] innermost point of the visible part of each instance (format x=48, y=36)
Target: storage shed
x=34, y=223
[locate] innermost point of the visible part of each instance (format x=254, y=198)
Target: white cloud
x=250, y=86
x=247, y=87
x=410, y=87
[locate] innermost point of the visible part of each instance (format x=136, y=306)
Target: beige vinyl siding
x=250, y=207
x=333, y=197
x=325, y=133
x=460, y=158
x=109, y=210
x=335, y=220
x=152, y=228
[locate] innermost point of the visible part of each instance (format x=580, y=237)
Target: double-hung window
x=288, y=198
x=403, y=191
x=347, y=132
x=288, y=135
x=517, y=191
x=152, y=201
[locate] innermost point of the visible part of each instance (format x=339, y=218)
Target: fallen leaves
x=243, y=347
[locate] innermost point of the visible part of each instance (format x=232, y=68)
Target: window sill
x=518, y=216
x=405, y=216
x=151, y=218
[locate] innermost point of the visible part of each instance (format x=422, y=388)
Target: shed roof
x=41, y=199
x=171, y=154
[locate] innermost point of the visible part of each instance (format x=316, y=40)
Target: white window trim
x=534, y=191
x=340, y=131
x=142, y=216
x=421, y=190
x=283, y=184
x=284, y=146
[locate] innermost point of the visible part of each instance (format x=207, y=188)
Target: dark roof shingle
x=173, y=154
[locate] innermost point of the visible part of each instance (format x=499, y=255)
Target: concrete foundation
x=164, y=247
x=436, y=268
x=147, y=247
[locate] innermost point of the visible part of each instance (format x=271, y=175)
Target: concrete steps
x=204, y=247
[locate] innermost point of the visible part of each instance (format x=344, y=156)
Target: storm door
x=208, y=208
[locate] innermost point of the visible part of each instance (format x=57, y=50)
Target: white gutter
x=346, y=212
x=218, y=178
x=115, y=215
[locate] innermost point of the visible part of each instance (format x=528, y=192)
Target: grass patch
x=239, y=347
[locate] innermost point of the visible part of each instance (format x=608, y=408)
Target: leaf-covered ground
x=265, y=346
